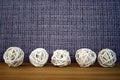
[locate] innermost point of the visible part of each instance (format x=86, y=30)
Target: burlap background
x=60, y=24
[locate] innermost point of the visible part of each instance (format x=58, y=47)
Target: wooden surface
x=49, y=72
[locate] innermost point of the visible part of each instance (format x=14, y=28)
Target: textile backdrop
x=60, y=24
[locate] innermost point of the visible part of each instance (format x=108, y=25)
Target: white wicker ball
x=85, y=57
x=39, y=57
x=61, y=58
x=13, y=56
x=107, y=58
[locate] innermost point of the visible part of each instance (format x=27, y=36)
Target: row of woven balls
x=85, y=57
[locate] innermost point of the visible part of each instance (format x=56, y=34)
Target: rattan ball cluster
x=85, y=57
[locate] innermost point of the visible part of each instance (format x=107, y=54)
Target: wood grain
x=29, y=72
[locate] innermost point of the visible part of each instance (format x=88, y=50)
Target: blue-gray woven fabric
x=60, y=24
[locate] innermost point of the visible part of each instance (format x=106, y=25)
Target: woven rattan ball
x=39, y=57
x=85, y=57
x=13, y=56
x=107, y=58
x=61, y=58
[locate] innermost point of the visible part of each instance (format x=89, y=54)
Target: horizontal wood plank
x=49, y=72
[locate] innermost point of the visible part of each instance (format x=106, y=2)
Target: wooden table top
x=49, y=72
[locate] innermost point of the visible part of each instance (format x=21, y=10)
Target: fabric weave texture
x=60, y=24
